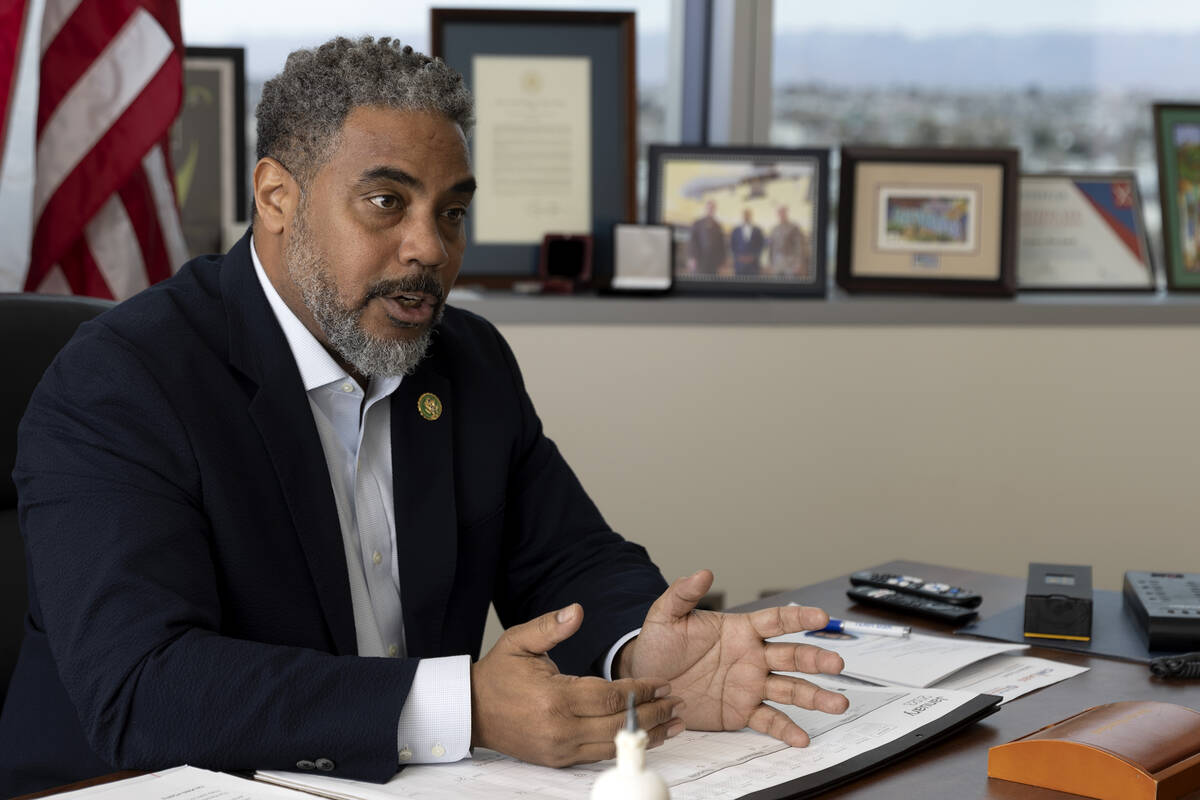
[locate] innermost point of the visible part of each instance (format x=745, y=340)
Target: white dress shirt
x=355, y=431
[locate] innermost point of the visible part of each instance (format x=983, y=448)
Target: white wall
x=780, y=456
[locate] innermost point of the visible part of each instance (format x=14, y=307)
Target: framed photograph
x=553, y=147
x=745, y=220
x=1177, y=139
x=1083, y=233
x=208, y=147
x=927, y=220
x=642, y=262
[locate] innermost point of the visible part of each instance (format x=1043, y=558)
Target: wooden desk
x=958, y=768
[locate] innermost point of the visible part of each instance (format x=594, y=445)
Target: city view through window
x=1070, y=84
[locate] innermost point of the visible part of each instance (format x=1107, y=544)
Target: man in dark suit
x=267, y=502
x=746, y=243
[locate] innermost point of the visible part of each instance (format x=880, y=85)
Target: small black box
x=1058, y=602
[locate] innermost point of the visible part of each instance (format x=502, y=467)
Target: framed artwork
x=553, y=147
x=208, y=147
x=1083, y=233
x=745, y=220
x=928, y=220
x=1177, y=139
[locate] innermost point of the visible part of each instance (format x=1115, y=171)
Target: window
x=1068, y=83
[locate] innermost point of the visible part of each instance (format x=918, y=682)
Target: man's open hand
x=522, y=706
x=722, y=668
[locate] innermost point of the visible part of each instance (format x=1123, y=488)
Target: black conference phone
x=1166, y=606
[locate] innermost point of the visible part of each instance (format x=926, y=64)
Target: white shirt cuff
x=612, y=653
x=435, y=724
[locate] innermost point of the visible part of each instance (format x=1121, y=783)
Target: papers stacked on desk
x=947, y=663
x=928, y=685
x=880, y=724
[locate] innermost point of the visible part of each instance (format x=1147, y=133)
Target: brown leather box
x=1118, y=751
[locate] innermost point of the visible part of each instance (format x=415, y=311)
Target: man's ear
x=276, y=195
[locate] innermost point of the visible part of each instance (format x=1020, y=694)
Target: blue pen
x=871, y=628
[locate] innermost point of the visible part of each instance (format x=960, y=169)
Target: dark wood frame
x=659, y=154
x=1170, y=232
x=1004, y=284
x=236, y=57
x=524, y=259
x=1143, y=238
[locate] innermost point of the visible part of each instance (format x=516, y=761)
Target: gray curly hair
x=303, y=108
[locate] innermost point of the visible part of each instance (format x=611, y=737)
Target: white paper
x=1066, y=241
x=713, y=766
x=1010, y=676
x=533, y=147
x=182, y=783
x=917, y=660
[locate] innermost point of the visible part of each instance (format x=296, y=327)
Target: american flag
x=12, y=28
x=105, y=219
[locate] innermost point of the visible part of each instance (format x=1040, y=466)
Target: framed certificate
x=1177, y=139
x=745, y=220
x=920, y=220
x=1083, y=233
x=553, y=147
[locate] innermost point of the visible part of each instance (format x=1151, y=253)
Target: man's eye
x=385, y=201
x=456, y=214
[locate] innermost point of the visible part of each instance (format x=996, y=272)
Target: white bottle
x=629, y=779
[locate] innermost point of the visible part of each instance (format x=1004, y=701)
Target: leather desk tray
x=1118, y=751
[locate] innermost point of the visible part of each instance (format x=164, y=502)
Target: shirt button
x=324, y=764
x=347, y=388
x=406, y=754
x=438, y=751
x=376, y=557
x=393, y=650
x=305, y=764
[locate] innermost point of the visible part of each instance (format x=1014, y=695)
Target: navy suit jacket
x=189, y=600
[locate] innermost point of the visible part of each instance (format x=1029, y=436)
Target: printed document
x=695, y=764
x=181, y=783
x=917, y=660
x=945, y=662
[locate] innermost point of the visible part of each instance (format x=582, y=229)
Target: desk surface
x=958, y=768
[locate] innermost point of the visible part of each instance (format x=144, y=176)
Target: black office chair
x=33, y=328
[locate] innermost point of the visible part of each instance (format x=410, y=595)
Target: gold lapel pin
x=429, y=406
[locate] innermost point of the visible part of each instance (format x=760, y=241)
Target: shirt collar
x=317, y=367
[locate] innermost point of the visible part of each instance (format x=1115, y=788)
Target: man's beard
x=372, y=357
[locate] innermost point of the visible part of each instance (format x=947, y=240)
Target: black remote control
x=907, y=584
x=910, y=604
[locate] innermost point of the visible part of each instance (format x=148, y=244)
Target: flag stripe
x=82, y=273
x=90, y=30
x=98, y=100
x=114, y=245
x=108, y=165
x=56, y=16
x=12, y=34
x=55, y=282
x=139, y=204
x=161, y=187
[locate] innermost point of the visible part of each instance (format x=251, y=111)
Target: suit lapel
x=282, y=414
x=426, y=521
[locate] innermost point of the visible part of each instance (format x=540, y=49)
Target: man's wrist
x=623, y=663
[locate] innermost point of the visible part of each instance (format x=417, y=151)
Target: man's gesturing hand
x=722, y=668
x=521, y=705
